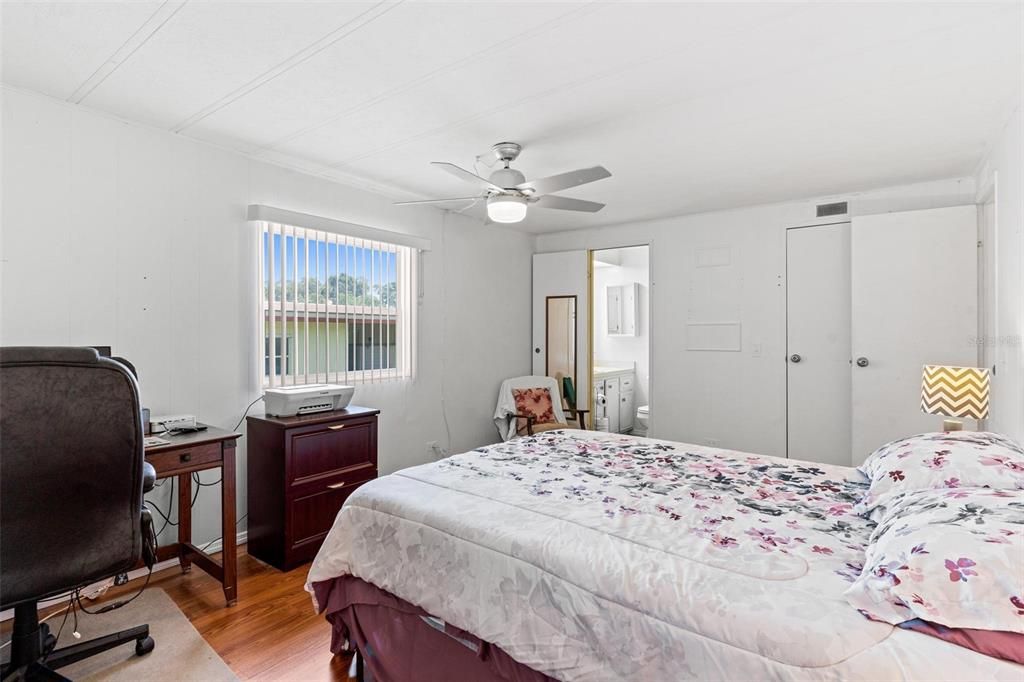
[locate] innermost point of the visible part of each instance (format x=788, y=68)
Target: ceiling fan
x=508, y=193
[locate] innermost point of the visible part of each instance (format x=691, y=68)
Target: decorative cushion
x=955, y=459
x=951, y=557
x=535, y=402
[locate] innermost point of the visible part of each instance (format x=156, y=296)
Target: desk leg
x=184, y=519
x=230, y=556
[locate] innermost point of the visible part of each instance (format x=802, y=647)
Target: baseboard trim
x=104, y=585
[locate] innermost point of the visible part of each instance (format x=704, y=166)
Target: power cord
x=75, y=603
x=211, y=542
x=195, y=479
x=195, y=495
x=166, y=517
x=244, y=414
x=63, y=622
x=116, y=605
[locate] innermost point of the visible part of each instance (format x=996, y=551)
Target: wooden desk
x=183, y=456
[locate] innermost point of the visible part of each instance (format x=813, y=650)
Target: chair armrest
x=530, y=420
x=580, y=416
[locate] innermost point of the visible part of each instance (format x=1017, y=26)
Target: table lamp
x=955, y=392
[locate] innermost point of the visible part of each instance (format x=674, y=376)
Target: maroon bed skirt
x=399, y=641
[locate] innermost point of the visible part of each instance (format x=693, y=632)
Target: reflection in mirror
x=561, y=338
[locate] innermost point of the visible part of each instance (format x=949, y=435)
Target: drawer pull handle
x=335, y=486
x=337, y=427
x=185, y=457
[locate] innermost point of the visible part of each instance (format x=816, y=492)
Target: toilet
x=643, y=413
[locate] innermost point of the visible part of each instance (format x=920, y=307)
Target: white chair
x=511, y=422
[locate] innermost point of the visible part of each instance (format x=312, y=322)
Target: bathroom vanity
x=617, y=385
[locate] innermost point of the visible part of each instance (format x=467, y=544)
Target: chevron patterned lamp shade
x=955, y=392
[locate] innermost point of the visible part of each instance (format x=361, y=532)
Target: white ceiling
x=692, y=106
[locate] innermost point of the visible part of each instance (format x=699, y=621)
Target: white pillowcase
x=955, y=459
x=948, y=556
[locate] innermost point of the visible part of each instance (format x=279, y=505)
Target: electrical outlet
x=757, y=350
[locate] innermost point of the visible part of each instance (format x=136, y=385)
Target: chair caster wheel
x=144, y=646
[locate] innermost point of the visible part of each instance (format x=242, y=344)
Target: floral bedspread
x=592, y=556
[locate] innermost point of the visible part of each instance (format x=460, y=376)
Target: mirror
x=561, y=338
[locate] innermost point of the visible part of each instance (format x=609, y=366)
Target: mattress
x=590, y=556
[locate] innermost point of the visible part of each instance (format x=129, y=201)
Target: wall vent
x=838, y=208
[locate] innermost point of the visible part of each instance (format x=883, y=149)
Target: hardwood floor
x=270, y=634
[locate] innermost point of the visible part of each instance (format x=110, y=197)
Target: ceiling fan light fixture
x=506, y=208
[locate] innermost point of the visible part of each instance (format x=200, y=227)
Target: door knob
x=536, y=350
x=862, y=362
x=795, y=358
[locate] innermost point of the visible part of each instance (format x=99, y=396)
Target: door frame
x=987, y=199
x=650, y=322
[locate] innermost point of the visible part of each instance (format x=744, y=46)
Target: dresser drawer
x=312, y=515
x=169, y=462
x=327, y=449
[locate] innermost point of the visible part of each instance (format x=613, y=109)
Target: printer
x=289, y=401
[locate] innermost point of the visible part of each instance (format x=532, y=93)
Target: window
x=333, y=308
x=277, y=355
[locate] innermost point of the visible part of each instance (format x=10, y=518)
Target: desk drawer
x=327, y=449
x=185, y=458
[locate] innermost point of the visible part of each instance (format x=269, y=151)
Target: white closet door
x=565, y=273
x=818, y=343
x=915, y=302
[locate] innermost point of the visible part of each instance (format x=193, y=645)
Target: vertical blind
x=334, y=308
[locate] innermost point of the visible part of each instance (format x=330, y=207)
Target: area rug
x=181, y=653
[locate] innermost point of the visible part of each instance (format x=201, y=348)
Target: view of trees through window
x=338, y=289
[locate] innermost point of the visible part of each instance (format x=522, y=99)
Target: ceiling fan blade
x=464, y=174
x=555, y=183
x=457, y=200
x=568, y=204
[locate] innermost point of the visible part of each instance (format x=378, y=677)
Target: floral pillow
x=955, y=459
x=953, y=557
x=535, y=402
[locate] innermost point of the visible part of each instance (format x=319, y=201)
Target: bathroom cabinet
x=617, y=387
x=623, y=309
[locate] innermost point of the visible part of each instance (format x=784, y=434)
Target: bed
x=576, y=555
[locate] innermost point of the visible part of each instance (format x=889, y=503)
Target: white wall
x=736, y=400
x=117, y=234
x=634, y=266
x=1003, y=256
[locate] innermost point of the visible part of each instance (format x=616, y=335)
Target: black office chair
x=72, y=477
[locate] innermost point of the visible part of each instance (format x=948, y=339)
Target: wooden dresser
x=300, y=470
